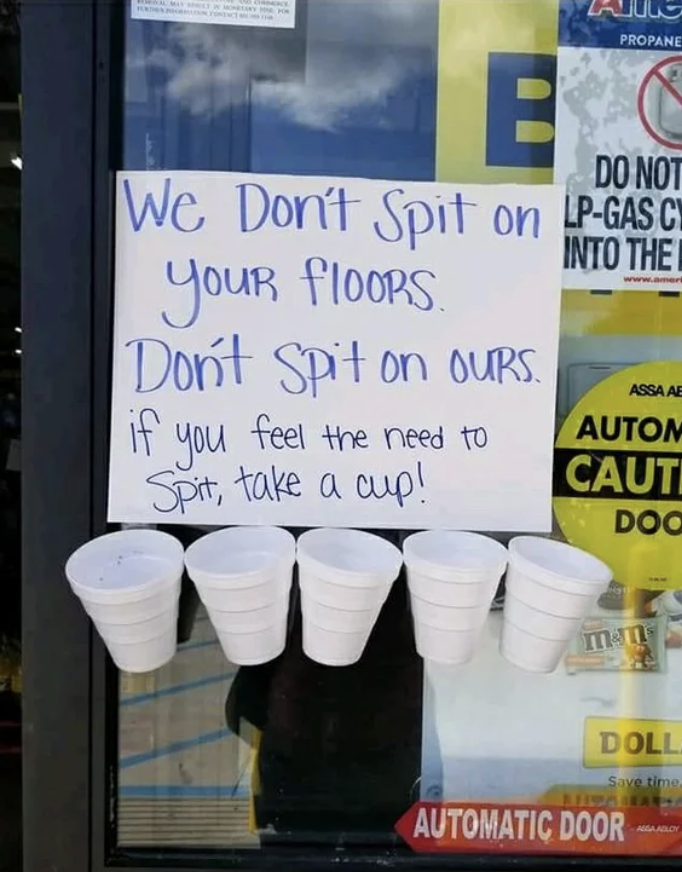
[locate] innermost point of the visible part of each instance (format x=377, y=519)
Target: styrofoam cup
x=559, y=565
x=548, y=599
x=252, y=621
x=253, y=648
x=445, y=618
x=345, y=577
x=126, y=567
x=333, y=647
x=453, y=647
x=529, y=652
x=539, y=623
x=331, y=618
x=349, y=558
x=440, y=553
x=147, y=655
x=555, y=578
x=247, y=599
x=471, y=594
x=238, y=558
x=152, y=606
x=339, y=596
x=141, y=631
x=452, y=568
x=242, y=569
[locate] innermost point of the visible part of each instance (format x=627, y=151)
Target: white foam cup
x=339, y=596
x=444, y=618
x=141, y=631
x=452, y=647
x=253, y=648
x=475, y=593
x=132, y=613
x=129, y=584
x=551, y=588
x=345, y=577
x=126, y=567
x=331, y=618
x=242, y=568
x=252, y=621
x=452, y=568
x=546, y=599
x=554, y=577
x=539, y=623
x=529, y=652
x=147, y=655
x=333, y=647
x=246, y=599
x=558, y=564
x=350, y=558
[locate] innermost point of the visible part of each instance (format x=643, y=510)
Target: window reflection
x=352, y=93
x=209, y=753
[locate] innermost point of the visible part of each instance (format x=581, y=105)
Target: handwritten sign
x=318, y=351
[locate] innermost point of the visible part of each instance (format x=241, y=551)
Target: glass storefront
x=399, y=758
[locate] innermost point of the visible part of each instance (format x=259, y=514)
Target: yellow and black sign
x=618, y=791
x=618, y=475
x=625, y=742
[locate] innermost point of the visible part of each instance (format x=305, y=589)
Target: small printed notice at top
x=244, y=13
x=319, y=351
x=619, y=143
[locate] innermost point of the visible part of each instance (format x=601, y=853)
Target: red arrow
x=457, y=827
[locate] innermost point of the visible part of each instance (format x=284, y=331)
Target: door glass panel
x=210, y=752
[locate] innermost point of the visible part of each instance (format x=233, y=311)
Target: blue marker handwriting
x=259, y=207
x=398, y=487
x=337, y=283
x=412, y=438
x=169, y=206
x=274, y=437
x=396, y=218
x=198, y=439
x=158, y=365
x=173, y=494
x=304, y=370
x=272, y=485
x=200, y=280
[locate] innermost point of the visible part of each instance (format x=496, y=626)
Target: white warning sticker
x=240, y=13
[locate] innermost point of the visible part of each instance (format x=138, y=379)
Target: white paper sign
x=318, y=351
x=244, y=13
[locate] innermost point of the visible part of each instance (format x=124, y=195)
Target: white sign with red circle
x=659, y=102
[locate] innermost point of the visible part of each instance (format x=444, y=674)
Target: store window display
x=217, y=756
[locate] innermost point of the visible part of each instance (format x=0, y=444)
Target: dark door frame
x=60, y=382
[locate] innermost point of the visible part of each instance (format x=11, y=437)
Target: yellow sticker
x=618, y=475
x=495, y=124
x=496, y=75
x=624, y=789
x=626, y=742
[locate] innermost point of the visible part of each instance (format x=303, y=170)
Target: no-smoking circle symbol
x=659, y=103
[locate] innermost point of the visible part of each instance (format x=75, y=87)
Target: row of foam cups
x=551, y=587
x=129, y=584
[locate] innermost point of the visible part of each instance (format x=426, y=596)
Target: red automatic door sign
x=659, y=102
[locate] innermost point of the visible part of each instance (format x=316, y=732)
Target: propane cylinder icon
x=670, y=107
